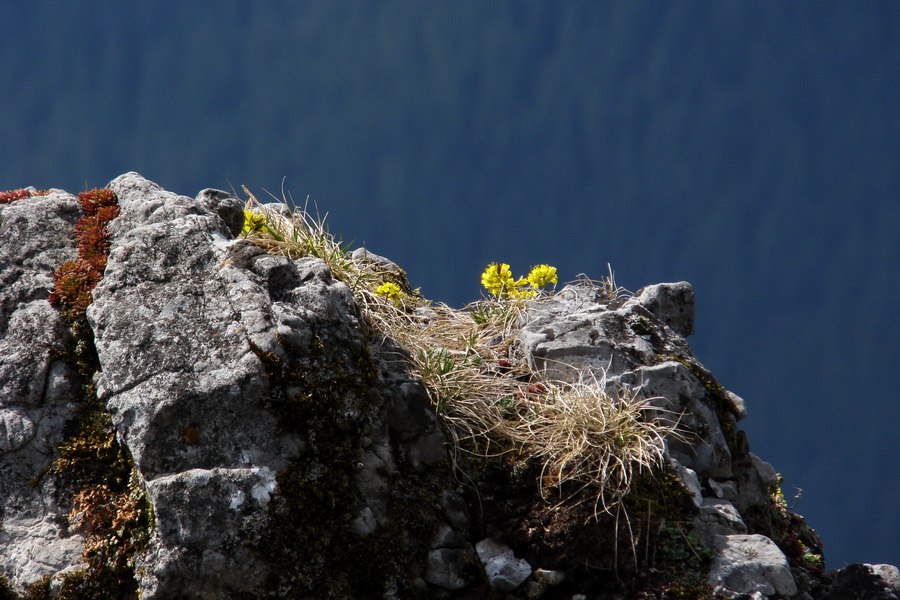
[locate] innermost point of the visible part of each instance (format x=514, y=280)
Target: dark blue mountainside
x=751, y=148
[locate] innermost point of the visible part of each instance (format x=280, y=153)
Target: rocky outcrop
x=286, y=448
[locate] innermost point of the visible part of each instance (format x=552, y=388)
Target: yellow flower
x=253, y=222
x=498, y=279
x=391, y=291
x=517, y=293
x=542, y=275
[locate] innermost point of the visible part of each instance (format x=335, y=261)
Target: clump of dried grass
x=590, y=438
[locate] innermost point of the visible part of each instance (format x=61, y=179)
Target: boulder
x=504, y=571
x=748, y=564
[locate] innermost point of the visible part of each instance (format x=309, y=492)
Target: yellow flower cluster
x=498, y=280
x=542, y=275
x=391, y=291
x=253, y=222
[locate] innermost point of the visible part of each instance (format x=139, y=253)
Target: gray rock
x=385, y=264
x=751, y=563
x=227, y=207
x=504, y=571
x=737, y=405
x=671, y=303
x=690, y=480
x=37, y=390
x=865, y=582
x=672, y=387
x=194, y=331
x=38, y=236
x=766, y=472
x=718, y=518
x=449, y=568
x=890, y=575
x=628, y=342
x=16, y=429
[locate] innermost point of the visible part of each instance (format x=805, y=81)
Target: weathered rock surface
x=287, y=450
x=36, y=386
x=504, y=571
x=205, y=344
x=751, y=563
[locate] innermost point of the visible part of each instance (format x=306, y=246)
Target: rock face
x=288, y=450
x=37, y=388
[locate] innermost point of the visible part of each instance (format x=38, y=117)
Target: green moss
x=326, y=393
x=790, y=532
x=109, y=505
x=688, y=588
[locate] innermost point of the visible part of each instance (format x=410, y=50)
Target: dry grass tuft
x=591, y=438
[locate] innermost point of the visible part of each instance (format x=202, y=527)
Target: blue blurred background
x=751, y=148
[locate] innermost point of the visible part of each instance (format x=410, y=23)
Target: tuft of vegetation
x=110, y=507
x=11, y=196
x=589, y=438
x=75, y=279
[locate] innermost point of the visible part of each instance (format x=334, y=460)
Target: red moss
x=13, y=195
x=75, y=279
x=72, y=285
x=93, y=239
x=93, y=200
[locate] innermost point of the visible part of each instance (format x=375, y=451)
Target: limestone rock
x=751, y=563
x=890, y=575
x=288, y=449
x=198, y=336
x=672, y=304
x=36, y=388
x=504, y=571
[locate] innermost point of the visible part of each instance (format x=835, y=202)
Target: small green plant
x=683, y=548
x=254, y=222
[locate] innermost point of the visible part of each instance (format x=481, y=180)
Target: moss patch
x=621, y=553
x=326, y=395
